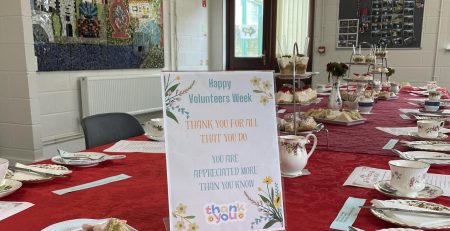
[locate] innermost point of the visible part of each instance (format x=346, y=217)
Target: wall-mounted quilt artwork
x=97, y=34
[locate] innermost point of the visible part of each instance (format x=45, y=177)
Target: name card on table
x=222, y=151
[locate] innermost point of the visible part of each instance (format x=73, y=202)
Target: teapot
x=293, y=156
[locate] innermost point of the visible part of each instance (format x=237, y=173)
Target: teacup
x=365, y=107
x=431, y=105
x=408, y=176
x=4, y=163
x=155, y=126
x=434, y=96
x=429, y=128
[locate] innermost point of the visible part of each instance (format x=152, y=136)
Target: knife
x=445, y=214
x=14, y=168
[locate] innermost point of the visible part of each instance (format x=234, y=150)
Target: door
x=250, y=34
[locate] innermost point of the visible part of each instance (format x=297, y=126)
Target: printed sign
x=222, y=151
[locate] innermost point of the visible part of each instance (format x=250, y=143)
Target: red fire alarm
x=321, y=49
x=204, y=3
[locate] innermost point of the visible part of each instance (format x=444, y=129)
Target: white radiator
x=131, y=94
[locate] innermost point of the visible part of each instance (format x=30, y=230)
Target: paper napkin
x=92, y=184
x=412, y=219
x=44, y=170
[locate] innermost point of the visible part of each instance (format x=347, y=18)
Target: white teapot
x=293, y=156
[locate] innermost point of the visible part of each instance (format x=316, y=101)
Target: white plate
x=12, y=185
x=76, y=224
x=29, y=177
x=414, y=203
x=428, y=145
x=425, y=154
x=153, y=137
x=428, y=193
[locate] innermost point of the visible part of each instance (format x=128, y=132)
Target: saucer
x=154, y=137
x=437, y=111
x=9, y=186
x=441, y=136
x=428, y=193
x=303, y=172
x=366, y=113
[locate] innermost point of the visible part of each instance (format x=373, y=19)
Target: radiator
x=131, y=94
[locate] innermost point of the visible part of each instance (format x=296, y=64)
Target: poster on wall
x=389, y=23
x=97, y=34
x=222, y=161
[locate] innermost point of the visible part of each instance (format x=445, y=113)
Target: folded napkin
x=412, y=219
x=90, y=155
x=44, y=170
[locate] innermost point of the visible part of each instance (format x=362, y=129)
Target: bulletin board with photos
x=391, y=23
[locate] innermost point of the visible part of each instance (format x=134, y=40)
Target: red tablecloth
x=365, y=138
x=312, y=202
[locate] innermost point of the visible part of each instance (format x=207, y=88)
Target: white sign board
x=222, y=151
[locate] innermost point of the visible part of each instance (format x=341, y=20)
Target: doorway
x=250, y=34
x=258, y=31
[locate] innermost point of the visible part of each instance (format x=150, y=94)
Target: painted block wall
x=414, y=66
x=20, y=137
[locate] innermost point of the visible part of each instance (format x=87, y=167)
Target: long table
x=312, y=202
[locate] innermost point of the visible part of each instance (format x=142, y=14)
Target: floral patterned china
x=9, y=186
x=412, y=219
x=428, y=145
x=154, y=137
x=433, y=158
x=441, y=136
x=428, y=193
x=25, y=176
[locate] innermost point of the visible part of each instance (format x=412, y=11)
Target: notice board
x=391, y=23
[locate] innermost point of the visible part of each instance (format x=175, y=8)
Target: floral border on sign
x=262, y=88
x=269, y=203
x=173, y=95
x=182, y=219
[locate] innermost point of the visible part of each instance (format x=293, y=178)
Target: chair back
x=107, y=128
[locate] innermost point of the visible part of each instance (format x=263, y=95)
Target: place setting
x=408, y=181
x=411, y=209
x=83, y=159
x=429, y=130
x=7, y=186
x=36, y=173
x=155, y=129
x=412, y=213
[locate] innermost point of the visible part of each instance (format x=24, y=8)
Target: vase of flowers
x=336, y=72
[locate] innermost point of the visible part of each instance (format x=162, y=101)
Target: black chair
x=107, y=128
